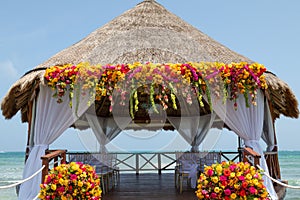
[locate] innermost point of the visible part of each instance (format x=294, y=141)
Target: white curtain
x=193, y=129
x=248, y=124
x=106, y=129
x=205, y=124
x=51, y=120
x=268, y=130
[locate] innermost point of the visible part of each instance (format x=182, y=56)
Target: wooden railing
x=154, y=161
x=138, y=162
x=231, y=156
x=251, y=156
x=57, y=156
x=273, y=164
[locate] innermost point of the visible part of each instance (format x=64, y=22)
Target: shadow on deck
x=148, y=186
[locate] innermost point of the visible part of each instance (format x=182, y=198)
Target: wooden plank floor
x=148, y=186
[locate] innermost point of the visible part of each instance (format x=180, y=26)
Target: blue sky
x=33, y=31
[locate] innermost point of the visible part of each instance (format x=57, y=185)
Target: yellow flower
x=64, y=197
x=217, y=190
x=61, y=181
x=219, y=169
x=232, y=174
x=249, y=176
x=80, y=183
x=215, y=179
x=74, y=167
x=233, y=196
x=237, y=186
x=53, y=187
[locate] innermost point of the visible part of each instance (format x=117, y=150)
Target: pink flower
x=256, y=175
x=73, y=177
x=241, y=178
x=213, y=195
x=48, y=179
x=210, y=172
x=227, y=192
x=204, y=192
x=223, y=178
x=61, y=189
x=252, y=190
x=232, y=167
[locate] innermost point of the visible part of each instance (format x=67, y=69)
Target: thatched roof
x=147, y=32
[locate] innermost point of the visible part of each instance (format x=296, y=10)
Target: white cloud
x=8, y=71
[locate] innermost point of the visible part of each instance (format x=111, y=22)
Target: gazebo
x=148, y=39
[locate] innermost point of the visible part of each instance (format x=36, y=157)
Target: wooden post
x=52, y=155
x=159, y=163
x=137, y=166
x=29, y=118
x=251, y=154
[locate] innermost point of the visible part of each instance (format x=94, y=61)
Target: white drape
x=193, y=129
x=248, y=124
x=268, y=130
x=52, y=119
x=106, y=129
x=205, y=124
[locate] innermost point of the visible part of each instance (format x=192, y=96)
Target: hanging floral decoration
x=162, y=82
x=229, y=180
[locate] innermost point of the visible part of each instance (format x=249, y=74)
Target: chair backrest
x=209, y=158
x=93, y=159
x=187, y=160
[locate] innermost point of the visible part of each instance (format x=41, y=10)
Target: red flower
x=227, y=172
x=243, y=193
x=245, y=184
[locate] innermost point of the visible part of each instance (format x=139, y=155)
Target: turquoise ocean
x=11, y=167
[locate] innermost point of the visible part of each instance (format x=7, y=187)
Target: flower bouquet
x=71, y=181
x=230, y=180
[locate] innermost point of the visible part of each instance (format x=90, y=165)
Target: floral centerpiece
x=229, y=180
x=71, y=181
x=162, y=82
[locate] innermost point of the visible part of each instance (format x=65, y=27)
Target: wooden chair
x=186, y=168
x=190, y=162
x=102, y=164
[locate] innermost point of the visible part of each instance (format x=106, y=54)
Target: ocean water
x=11, y=167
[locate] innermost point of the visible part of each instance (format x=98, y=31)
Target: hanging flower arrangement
x=71, y=181
x=162, y=82
x=230, y=180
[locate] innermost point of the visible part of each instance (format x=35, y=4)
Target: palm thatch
x=147, y=32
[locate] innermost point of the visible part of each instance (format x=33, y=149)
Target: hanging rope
x=22, y=181
x=278, y=182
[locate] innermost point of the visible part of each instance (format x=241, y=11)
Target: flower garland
x=161, y=81
x=229, y=180
x=71, y=181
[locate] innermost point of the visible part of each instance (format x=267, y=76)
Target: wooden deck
x=148, y=186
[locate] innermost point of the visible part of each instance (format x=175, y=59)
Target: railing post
x=251, y=154
x=52, y=155
x=137, y=166
x=45, y=171
x=159, y=163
